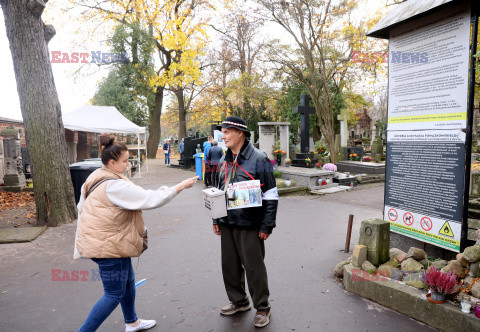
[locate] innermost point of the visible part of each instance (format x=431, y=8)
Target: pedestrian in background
x=214, y=155
x=181, y=148
x=110, y=230
x=167, y=150
x=208, y=173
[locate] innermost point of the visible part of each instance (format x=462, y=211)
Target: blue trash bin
x=199, y=165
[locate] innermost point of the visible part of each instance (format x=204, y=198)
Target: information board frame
x=467, y=128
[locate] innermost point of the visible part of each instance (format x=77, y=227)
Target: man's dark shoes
x=232, y=308
x=262, y=318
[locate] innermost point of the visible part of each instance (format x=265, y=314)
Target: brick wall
x=6, y=124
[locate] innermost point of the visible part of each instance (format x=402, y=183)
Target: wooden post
x=349, y=233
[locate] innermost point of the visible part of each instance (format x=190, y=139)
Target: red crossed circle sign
x=408, y=219
x=392, y=214
x=426, y=223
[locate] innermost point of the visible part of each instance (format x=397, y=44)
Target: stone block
x=388, y=268
x=400, y=258
x=394, y=252
x=462, y=260
x=411, y=265
x=414, y=280
x=369, y=267
x=476, y=289
x=375, y=235
x=426, y=263
x=338, y=270
x=439, y=264
x=475, y=270
x=359, y=255
x=12, y=189
x=14, y=180
x=456, y=267
x=472, y=254
x=417, y=253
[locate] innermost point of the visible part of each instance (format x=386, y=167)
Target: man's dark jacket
x=257, y=164
x=214, y=154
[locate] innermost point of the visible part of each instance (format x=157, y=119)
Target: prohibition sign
x=392, y=214
x=408, y=219
x=426, y=223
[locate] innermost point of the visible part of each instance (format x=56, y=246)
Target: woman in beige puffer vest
x=110, y=231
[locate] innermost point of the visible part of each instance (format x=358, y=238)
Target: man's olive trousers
x=243, y=252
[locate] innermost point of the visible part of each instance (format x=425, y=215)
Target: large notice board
x=427, y=117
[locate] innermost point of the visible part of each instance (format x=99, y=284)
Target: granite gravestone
x=304, y=109
x=14, y=178
x=342, y=117
x=377, y=145
x=267, y=138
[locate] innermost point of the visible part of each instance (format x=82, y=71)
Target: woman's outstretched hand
x=185, y=184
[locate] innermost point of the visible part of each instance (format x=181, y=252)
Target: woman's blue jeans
x=118, y=280
x=167, y=158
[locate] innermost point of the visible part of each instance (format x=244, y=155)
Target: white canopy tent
x=103, y=119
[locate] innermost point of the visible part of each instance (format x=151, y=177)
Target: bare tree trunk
x=154, y=128
x=28, y=37
x=182, y=114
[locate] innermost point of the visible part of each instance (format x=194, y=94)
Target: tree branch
x=36, y=7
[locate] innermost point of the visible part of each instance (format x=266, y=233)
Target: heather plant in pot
x=439, y=283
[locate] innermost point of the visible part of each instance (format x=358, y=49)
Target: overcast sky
x=73, y=93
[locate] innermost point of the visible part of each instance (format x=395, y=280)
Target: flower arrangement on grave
x=308, y=161
x=330, y=167
x=366, y=159
x=353, y=156
x=318, y=165
x=279, y=153
x=439, y=283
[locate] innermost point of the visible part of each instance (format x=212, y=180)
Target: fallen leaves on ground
x=475, y=167
x=10, y=200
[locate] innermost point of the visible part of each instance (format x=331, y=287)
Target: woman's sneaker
x=232, y=308
x=144, y=325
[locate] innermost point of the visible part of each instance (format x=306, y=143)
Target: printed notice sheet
x=247, y=194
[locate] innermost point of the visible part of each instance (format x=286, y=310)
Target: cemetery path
x=184, y=288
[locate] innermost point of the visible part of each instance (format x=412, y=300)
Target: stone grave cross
x=304, y=110
x=342, y=117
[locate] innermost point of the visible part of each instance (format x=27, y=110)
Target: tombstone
x=13, y=168
x=190, y=146
x=377, y=150
x=374, y=135
x=338, y=143
x=342, y=117
x=267, y=138
x=304, y=110
x=358, y=150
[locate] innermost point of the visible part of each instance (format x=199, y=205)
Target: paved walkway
x=184, y=288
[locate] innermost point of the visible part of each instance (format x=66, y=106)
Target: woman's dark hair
x=110, y=148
